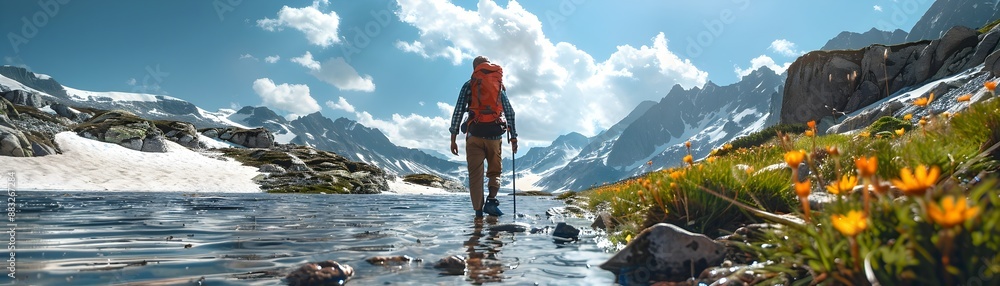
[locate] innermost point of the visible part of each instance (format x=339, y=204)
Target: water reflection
x=483, y=264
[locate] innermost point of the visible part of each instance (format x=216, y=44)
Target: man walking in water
x=485, y=99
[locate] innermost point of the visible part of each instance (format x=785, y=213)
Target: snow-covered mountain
x=945, y=14
x=345, y=137
x=655, y=132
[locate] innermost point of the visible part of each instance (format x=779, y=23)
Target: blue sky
x=570, y=65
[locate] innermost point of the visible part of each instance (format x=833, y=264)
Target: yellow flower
x=689, y=160
x=750, y=170
x=923, y=101
x=728, y=146
x=851, y=224
x=899, y=132
x=945, y=114
x=710, y=159
x=810, y=133
x=951, y=211
x=922, y=122
x=866, y=166
x=990, y=85
x=802, y=188
x=812, y=124
x=676, y=175
x=673, y=185
x=794, y=158
x=908, y=116
x=964, y=98
x=916, y=183
x=832, y=150
x=864, y=134
x=687, y=144
x=844, y=185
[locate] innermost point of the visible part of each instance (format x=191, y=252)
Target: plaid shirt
x=462, y=107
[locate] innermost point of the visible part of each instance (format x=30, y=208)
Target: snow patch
x=114, y=95
x=90, y=165
x=400, y=187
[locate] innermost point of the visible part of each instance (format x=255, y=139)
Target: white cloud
x=248, y=57
x=131, y=81
x=336, y=71
x=555, y=88
x=785, y=48
x=877, y=8
x=341, y=104
x=293, y=98
x=272, y=59
x=762, y=61
x=320, y=28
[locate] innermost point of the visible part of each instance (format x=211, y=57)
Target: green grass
x=902, y=241
x=989, y=26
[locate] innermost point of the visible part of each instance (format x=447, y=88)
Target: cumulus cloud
x=555, y=88
x=341, y=104
x=248, y=57
x=877, y=8
x=785, y=48
x=272, y=59
x=131, y=82
x=293, y=98
x=762, y=61
x=320, y=28
x=336, y=71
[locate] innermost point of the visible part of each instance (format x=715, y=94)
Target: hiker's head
x=479, y=60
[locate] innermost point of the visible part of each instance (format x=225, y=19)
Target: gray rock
x=63, y=110
x=451, y=265
x=182, y=133
x=40, y=150
x=21, y=97
x=566, y=232
x=604, y=221
x=664, y=252
x=321, y=273
x=154, y=144
x=866, y=118
x=272, y=168
x=211, y=133
x=510, y=227
x=986, y=46
x=992, y=63
x=13, y=143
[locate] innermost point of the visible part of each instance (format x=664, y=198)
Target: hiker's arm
x=461, y=107
x=508, y=113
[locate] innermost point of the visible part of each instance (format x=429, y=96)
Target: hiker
x=490, y=116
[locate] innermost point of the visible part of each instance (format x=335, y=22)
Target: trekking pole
x=513, y=169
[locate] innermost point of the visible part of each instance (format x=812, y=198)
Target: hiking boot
x=492, y=207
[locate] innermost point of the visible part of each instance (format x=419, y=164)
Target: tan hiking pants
x=476, y=150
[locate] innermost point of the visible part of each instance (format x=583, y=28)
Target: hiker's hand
x=513, y=144
x=454, y=147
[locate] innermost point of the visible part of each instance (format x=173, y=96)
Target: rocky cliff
x=825, y=83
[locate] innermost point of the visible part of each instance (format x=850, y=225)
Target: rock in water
x=510, y=227
x=322, y=273
x=451, y=265
x=565, y=232
x=391, y=260
x=664, y=252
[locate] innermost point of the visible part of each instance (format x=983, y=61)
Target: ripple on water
x=238, y=239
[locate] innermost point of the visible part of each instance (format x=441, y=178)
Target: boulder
x=992, y=64
x=604, y=221
x=7, y=110
x=271, y=168
x=986, y=46
x=25, y=98
x=40, y=150
x=391, y=260
x=125, y=129
x=451, y=265
x=250, y=138
x=510, y=227
x=866, y=118
x=565, y=232
x=321, y=273
x=664, y=252
x=182, y=133
x=13, y=143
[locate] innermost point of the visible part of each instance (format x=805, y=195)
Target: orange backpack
x=486, y=84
